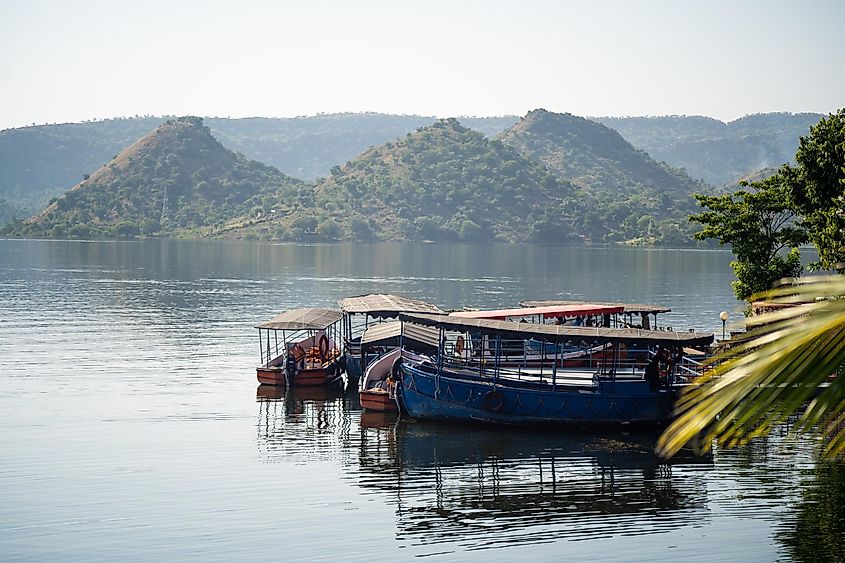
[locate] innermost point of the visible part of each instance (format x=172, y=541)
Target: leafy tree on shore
x=758, y=224
x=817, y=188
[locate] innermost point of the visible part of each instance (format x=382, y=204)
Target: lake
x=133, y=427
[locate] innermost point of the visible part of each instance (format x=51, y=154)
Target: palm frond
x=782, y=367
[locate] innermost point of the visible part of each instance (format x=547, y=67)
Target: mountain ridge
x=175, y=178
x=636, y=198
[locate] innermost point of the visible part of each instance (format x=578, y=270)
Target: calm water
x=132, y=426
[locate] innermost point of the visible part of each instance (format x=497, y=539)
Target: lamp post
x=724, y=315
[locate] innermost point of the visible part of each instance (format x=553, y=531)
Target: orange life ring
x=324, y=346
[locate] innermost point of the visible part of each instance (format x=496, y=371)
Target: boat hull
x=453, y=398
x=327, y=375
x=377, y=401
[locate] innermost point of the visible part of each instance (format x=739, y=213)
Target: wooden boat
x=441, y=386
x=380, y=343
x=308, y=353
x=361, y=312
x=378, y=390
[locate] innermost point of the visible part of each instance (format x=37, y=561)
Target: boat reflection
x=306, y=422
x=452, y=485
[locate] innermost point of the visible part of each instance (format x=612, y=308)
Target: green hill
x=718, y=153
x=630, y=196
x=442, y=182
x=41, y=162
x=175, y=180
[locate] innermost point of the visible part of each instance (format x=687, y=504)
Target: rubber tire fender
x=395, y=369
x=494, y=400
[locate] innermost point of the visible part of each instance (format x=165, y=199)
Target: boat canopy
x=385, y=305
x=579, y=310
x=628, y=307
x=310, y=318
x=389, y=333
x=558, y=333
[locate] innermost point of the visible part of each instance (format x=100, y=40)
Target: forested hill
x=442, y=182
x=630, y=195
x=41, y=162
x=175, y=179
x=717, y=152
x=591, y=155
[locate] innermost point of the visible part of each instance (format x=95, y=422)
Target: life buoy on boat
x=324, y=346
x=494, y=401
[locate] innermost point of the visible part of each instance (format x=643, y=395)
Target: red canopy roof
x=546, y=312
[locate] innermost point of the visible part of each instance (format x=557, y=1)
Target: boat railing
x=532, y=352
x=589, y=368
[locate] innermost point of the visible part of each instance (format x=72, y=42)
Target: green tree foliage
x=360, y=229
x=817, y=188
x=758, y=224
x=774, y=372
x=329, y=230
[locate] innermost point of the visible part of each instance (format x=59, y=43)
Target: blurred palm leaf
x=776, y=370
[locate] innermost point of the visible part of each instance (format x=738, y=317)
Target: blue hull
x=462, y=399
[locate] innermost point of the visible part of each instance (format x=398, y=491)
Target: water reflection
x=470, y=488
x=304, y=424
x=456, y=485
x=815, y=531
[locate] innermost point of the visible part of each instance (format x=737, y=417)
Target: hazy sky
x=76, y=60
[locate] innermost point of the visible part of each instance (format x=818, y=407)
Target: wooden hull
x=309, y=377
x=377, y=400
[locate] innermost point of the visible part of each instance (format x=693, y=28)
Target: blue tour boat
x=623, y=388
